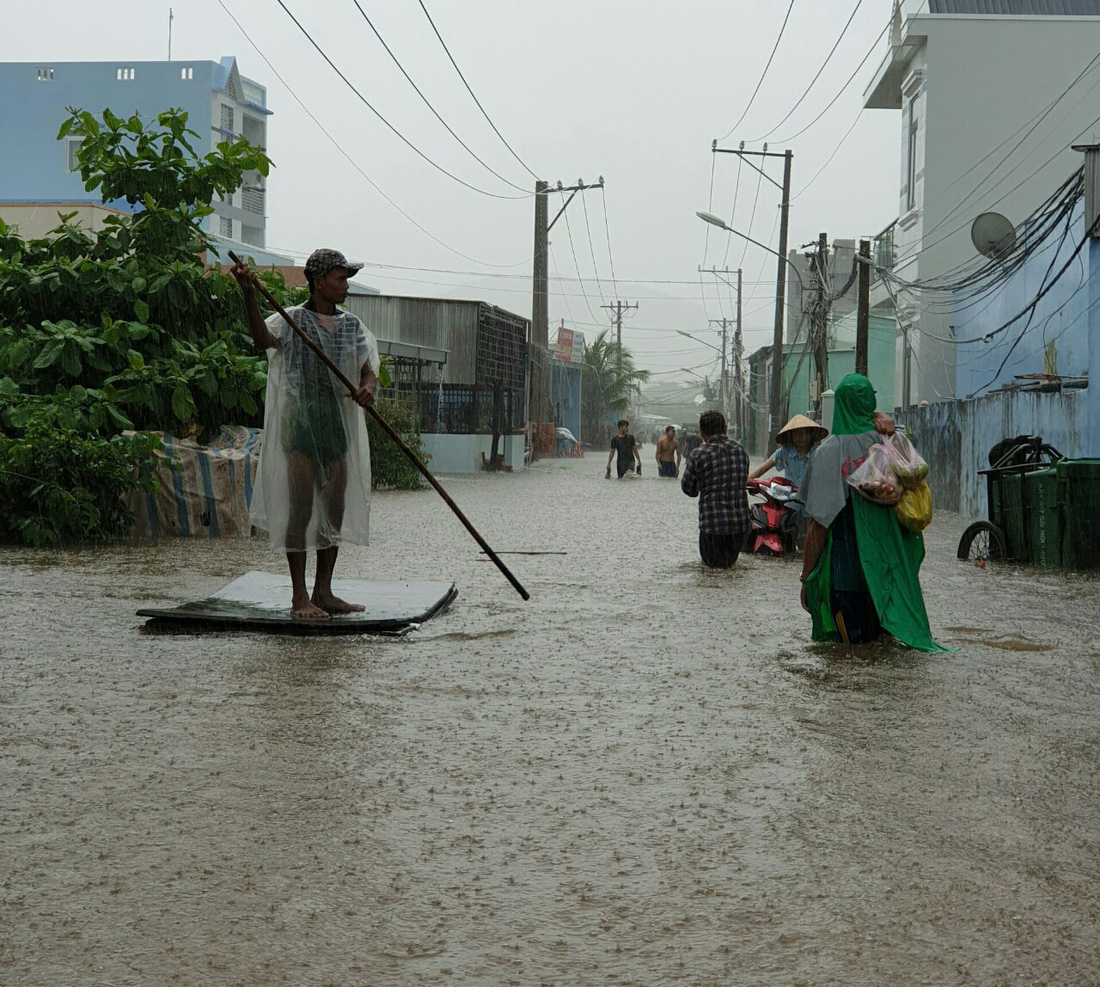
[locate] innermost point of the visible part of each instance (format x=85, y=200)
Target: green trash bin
x=1080, y=482
x=1012, y=512
x=1043, y=518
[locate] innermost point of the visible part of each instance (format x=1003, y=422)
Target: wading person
x=860, y=569
x=716, y=473
x=796, y=440
x=624, y=449
x=668, y=454
x=313, y=489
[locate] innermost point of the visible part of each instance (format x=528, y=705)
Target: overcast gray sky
x=634, y=90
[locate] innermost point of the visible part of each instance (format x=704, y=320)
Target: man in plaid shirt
x=716, y=473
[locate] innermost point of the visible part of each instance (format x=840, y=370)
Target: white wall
x=462, y=453
x=983, y=79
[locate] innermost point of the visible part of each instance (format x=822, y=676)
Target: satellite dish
x=993, y=235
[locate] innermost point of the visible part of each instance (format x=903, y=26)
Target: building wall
x=442, y=324
x=462, y=453
x=33, y=220
x=976, y=82
x=955, y=438
x=1055, y=339
x=34, y=165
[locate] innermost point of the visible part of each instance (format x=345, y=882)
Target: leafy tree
x=121, y=330
x=608, y=382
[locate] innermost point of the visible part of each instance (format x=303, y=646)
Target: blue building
x=38, y=173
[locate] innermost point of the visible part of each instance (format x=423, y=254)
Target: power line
x=471, y=92
x=832, y=51
x=841, y=91
x=428, y=103
x=762, y=74
x=339, y=147
x=369, y=106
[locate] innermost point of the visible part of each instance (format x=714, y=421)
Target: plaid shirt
x=717, y=473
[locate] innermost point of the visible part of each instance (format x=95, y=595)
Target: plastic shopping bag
x=905, y=462
x=914, y=510
x=875, y=478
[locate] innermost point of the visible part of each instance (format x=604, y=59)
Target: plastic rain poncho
x=315, y=460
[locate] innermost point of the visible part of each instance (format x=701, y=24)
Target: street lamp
x=777, y=341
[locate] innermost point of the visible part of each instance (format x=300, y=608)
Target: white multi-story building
x=992, y=95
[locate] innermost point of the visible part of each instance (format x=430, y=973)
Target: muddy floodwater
x=647, y=774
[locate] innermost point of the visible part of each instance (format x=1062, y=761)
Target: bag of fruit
x=905, y=462
x=875, y=478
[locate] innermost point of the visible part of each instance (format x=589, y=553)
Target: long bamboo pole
x=385, y=426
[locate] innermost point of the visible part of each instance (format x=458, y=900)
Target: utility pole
x=538, y=409
x=739, y=398
x=540, y=331
x=617, y=319
x=819, y=322
x=723, y=381
x=776, y=387
x=776, y=402
x=863, y=310
x=737, y=416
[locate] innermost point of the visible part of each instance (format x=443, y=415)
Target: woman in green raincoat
x=860, y=571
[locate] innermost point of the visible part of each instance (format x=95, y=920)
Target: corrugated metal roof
x=1018, y=8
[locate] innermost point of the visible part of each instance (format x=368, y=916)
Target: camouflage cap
x=320, y=262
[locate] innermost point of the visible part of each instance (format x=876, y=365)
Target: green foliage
x=62, y=484
x=609, y=380
x=389, y=466
x=125, y=328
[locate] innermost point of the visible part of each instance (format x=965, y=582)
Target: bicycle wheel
x=982, y=542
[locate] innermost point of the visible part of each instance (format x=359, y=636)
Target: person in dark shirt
x=716, y=473
x=626, y=446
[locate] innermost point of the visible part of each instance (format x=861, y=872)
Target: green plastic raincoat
x=889, y=555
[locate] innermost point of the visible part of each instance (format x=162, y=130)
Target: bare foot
x=333, y=604
x=308, y=611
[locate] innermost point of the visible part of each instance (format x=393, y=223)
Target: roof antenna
x=169, y=34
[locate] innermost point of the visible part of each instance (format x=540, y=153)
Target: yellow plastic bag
x=914, y=510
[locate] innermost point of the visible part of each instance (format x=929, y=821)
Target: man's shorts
x=314, y=427
x=625, y=468
x=666, y=469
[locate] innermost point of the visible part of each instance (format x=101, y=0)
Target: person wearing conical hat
x=797, y=440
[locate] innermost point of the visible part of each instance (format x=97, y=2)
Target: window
x=227, y=118
x=187, y=72
x=124, y=75
x=45, y=74
x=911, y=155
x=72, y=146
x=226, y=227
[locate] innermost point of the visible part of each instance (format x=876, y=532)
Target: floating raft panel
x=260, y=601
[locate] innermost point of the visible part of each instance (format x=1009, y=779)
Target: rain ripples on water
x=646, y=774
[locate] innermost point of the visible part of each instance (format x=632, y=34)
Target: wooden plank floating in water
x=260, y=601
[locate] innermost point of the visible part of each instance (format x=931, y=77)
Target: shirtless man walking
x=668, y=454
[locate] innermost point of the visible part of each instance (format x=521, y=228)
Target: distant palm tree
x=608, y=383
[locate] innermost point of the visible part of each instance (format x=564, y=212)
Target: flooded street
x=647, y=774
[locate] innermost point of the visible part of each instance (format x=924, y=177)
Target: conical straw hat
x=800, y=421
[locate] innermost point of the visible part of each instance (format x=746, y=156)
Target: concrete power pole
x=538, y=406
x=819, y=322
x=863, y=310
x=776, y=402
x=739, y=394
x=617, y=319
x=723, y=381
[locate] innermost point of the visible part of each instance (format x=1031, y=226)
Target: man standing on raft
x=313, y=489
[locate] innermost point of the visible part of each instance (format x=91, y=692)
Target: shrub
x=389, y=466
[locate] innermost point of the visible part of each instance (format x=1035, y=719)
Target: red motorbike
x=773, y=523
